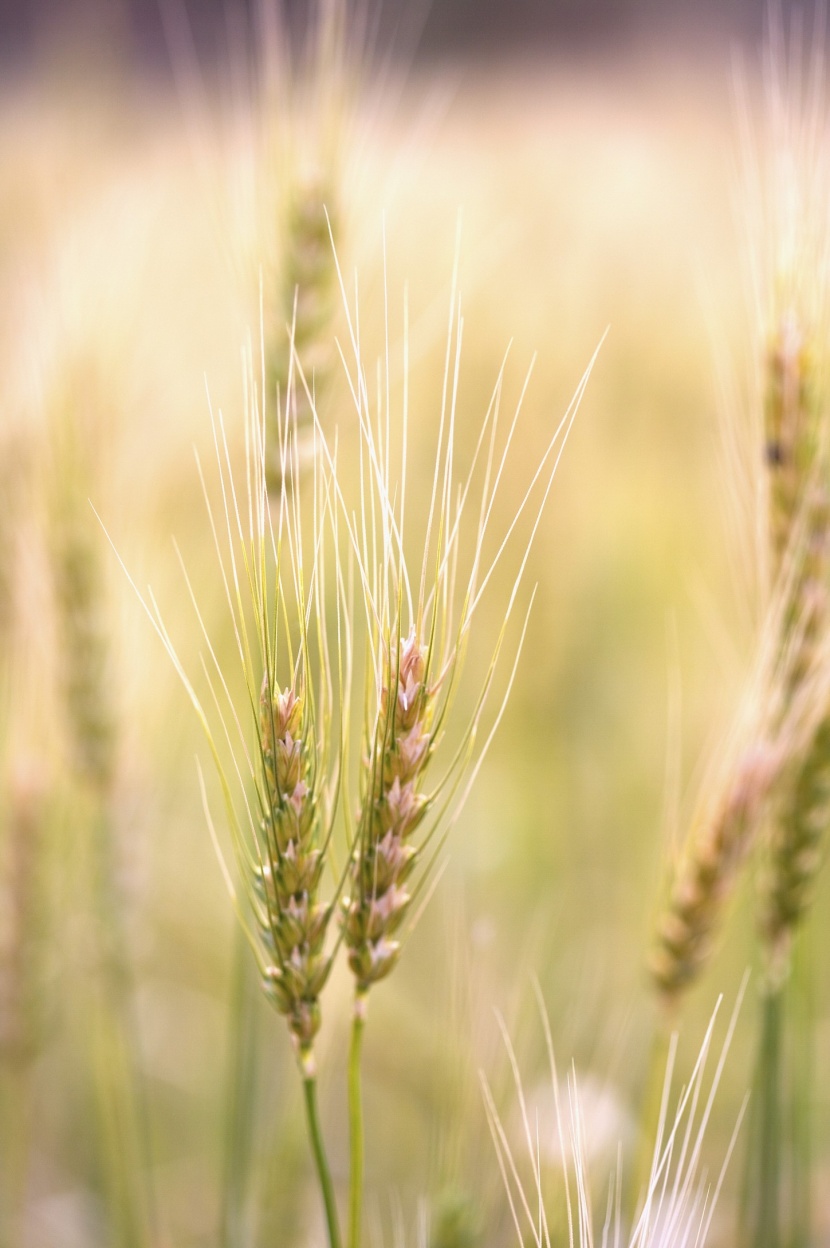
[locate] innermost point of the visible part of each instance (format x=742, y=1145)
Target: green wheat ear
x=279, y=749
x=292, y=920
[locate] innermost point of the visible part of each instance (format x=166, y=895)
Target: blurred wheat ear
x=22, y=829
x=777, y=783
x=27, y=780
x=794, y=383
x=306, y=96
x=77, y=409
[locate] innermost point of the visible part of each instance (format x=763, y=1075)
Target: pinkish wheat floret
x=391, y=811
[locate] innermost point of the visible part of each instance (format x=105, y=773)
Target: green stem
x=802, y=1062
x=122, y=1109
x=317, y=1147
x=768, y=1226
x=356, y=1121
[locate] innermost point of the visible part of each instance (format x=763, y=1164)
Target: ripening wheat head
x=787, y=177
x=792, y=291
x=278, y=737
x=725, y=824
x=755, y=768
x=419, y=613
x=777, y=762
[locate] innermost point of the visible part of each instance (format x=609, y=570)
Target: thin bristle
x=416, y=647
x=679, y=1199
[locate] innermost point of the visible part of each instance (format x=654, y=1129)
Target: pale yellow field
x=576, y=197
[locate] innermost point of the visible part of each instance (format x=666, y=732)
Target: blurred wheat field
x=590, y=194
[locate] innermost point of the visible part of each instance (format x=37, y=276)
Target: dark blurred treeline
x=418, y=27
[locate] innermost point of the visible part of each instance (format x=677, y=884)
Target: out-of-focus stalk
x=242, y=1073
x=88, y=684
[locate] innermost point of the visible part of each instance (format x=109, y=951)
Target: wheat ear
x=418, y=624
x=391, y=810
x=278, y=749
x=797, y=457
x=705, y=876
